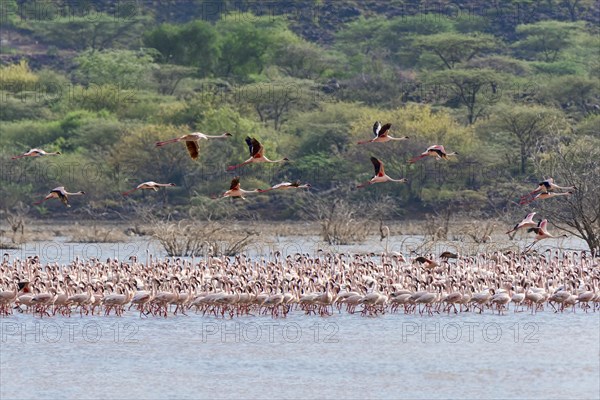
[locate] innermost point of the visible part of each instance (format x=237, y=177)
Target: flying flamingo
x=541, y=233
x=148, y=186
x=436, y=151
x=380, y=175
x=61, y=194
x=428, y=263
x=191, y=141
x=527, y=222
x=36, y=153
x=381, y=134
x=285, y=186
x=236, y=191
x=545, y=187
x=545, y=195
x=256, y=154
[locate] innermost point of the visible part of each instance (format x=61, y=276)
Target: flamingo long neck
x=222, y=136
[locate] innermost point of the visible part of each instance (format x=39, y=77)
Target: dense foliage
x=501, y=86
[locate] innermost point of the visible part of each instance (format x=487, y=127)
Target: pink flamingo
x=192, y=141
x=150, y=185
x=36, y=153
x=256, y=154
x=285, y=186
x=436, y=151
x=527, y=222
x=381, y=134
x=61, y=194
x=380, y=175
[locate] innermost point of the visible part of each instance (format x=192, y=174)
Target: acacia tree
x=456, y=48
x=529, y=125
x=473, y=88
x=577, y=164
x=545, y=40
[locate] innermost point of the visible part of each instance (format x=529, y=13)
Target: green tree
x=456, y=48
x=275, y=99
x=80, y=33
x=476, y=89
x=124, y=68
x=529, y=126
x=545, y=40
x=575, y=94
x=193, y=44
x=247, y=41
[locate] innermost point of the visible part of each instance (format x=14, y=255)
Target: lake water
x=62, y=251
x=542, y=356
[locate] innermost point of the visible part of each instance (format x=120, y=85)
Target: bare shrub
x=94, y=230
x=206, y=238
x=343, y=223
x=17, y=221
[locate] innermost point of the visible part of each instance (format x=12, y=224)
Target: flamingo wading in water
x=192, y=141
x=256, y=154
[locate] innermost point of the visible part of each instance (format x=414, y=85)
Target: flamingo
x=436, y=151
x=286, y=185
x=256, y=154
x=500, y=299
x=544, y=187
x=447, y=254
x=542, y=233
x=381, y=134
x=6, y=298
x=518, y=299
x=527, y=222
x=60, y=193
x=236, y=191
x=36, y=153
x=380, y=175
x=150, y=185
x=545, y=195
x=192, y=141
x=428, y=263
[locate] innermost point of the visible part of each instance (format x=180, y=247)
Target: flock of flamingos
x=323, y=284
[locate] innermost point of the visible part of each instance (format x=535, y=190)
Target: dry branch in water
x=204, y=238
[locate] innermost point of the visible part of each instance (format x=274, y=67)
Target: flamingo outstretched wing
x=378, y=165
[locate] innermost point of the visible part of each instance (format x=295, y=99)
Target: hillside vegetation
x=511, y=89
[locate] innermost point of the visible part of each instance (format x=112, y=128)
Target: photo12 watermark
x=67, y=332
x=70, y=10
x=469, y=332
x=268, y=332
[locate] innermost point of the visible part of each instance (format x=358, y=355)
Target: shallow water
x=487, y=356
x=61, y=251
x=542, y=356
